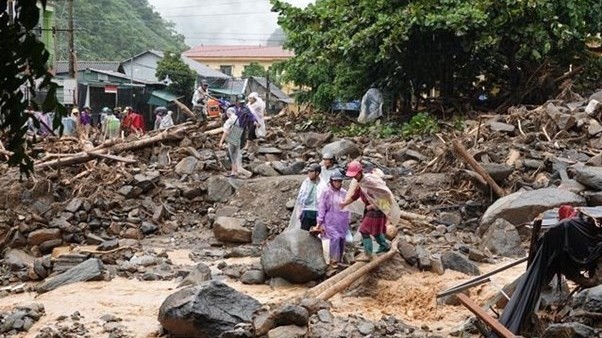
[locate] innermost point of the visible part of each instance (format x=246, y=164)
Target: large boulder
x=294, y=255
x=205, y=311
x=523, y=206
x=187, y=165
x=342, y=148
x=90, y=269
x=231, y=229
x=219, y=189
x=313, y=140
x=590, y=177
x=503, y=239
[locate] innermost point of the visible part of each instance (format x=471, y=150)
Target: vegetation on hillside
x=115, y=30
x=512, y=51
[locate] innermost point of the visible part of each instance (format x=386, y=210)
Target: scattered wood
x=113, y=157
x=460, y=150
x=490, y=321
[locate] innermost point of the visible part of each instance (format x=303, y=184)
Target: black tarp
x=572, y=246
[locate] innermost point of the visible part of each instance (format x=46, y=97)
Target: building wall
x=238, y=65
x=143, y=67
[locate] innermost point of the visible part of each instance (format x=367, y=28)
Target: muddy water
x=411, y=299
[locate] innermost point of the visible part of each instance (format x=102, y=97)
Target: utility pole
x=267, y=95
x=71, y=43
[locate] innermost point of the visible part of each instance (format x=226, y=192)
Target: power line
x=213, y=5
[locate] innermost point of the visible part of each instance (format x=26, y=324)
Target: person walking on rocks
x=234, y=151
x=380, y=207
x=307, y=199
x=200, y=98
x=333, y=221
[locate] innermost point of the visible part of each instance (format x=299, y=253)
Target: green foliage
x=420, y=124
x=115, y=30
x=384, y=130
x=179, y=73
x=253, y=69
x=22, y=64
x=410, y=47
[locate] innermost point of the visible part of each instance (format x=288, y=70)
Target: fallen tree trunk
x=460, y=150
x=175, y=133
x=357, y=274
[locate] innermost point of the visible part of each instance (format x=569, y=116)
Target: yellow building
x=232, y=60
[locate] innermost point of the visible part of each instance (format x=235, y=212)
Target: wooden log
x=113, y=157
x=81, y=157
x=185, y=109
x=460, y=150
x=361, y=271
x=318, y=289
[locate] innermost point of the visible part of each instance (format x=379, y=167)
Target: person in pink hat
x=380, y=206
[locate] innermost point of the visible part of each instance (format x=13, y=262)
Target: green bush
x=420, y=124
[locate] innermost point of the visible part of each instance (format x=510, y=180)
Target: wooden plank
x=496, y=326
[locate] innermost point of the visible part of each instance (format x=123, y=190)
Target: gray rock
x=253, y=277
x=263, y=322
x=108, y=245
x=313, y=305
x=47, y=246
x=407, y=251
x=18, y=259
x=90, y=269
x=147, y=181
x=342, y=148
x=593, y=299
x=199, y=274
x=74, y=205
x=219, y=189
x=230, y=229
x=503, y=239
x=424, y=258
x=129, y=191
x=192, y=192
x=523, y=206
x=294, y=255
x=187, y=166
x=260, y=232
x=294, y=169
x=205, y=311
x=148, y=228
x=313, y=140
x=325, y=316
x=458, y=262
x=589, y=176
x=499, y=172
x=366, y=328
x=265, y=170
x=289, y=331
x=269, y=150
x=568, y=330
x=502, y=127
x=244, y=251
x=290, y=314
x=594, y=127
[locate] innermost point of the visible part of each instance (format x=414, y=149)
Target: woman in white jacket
x=257, y=107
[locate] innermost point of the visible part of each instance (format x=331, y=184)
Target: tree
x=181, y=76
x=23, y=70
x=115, y=30
x=342, y=47
x=253, y=69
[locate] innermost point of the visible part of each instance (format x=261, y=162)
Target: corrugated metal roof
x=247, y=52
x=262, y=81
x=63, y=66
x=196, y=66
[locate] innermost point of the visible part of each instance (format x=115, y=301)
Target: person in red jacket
x=133, y=122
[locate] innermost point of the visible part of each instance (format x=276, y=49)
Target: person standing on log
x=307, y=199
x=200, y=98
x=380, y=207
x=333, y=221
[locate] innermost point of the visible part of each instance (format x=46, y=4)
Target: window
x=226, y=69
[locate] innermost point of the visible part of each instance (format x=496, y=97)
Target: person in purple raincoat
x=332, y=220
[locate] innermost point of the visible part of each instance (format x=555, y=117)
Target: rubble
x=169, y=183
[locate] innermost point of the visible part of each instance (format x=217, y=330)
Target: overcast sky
x=224, y=22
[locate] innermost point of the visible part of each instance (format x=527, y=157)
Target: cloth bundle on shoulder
x=235, y=134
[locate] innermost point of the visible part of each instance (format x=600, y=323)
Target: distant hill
x=114, y=30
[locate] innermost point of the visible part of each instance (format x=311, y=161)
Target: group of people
x=321, y=206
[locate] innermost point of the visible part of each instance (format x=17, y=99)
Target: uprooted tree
x=514, y=51
x=23, y=71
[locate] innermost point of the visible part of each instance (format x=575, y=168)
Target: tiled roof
x=238, y=52
x=63, y=66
